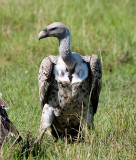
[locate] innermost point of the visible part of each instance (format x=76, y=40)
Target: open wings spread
x=46, y=70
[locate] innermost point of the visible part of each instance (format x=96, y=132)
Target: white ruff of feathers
x=80, y=73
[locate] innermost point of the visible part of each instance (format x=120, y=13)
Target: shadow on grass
x=27, y=149
x=44, y=149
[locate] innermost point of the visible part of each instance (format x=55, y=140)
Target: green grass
x=106, y=28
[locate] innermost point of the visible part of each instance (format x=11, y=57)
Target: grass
x=106, y=28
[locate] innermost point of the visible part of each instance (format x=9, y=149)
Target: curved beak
x=43, y=34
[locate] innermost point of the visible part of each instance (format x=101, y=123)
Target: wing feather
x=44, y=78
x=7, y=128
x=96, y=76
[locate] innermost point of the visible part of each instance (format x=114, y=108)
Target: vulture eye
x=52, y=29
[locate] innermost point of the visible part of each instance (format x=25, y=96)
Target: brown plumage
x=3, y=104
x=7, y=129
x=62, y=98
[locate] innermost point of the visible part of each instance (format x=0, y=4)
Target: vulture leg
x=88, y=120
x=46, y=121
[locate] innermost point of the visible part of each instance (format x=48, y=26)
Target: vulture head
x=56, y=29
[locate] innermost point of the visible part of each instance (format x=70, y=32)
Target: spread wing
x=96, y=75
x=44, y=78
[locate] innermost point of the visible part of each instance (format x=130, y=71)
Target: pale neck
x=65, y=51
